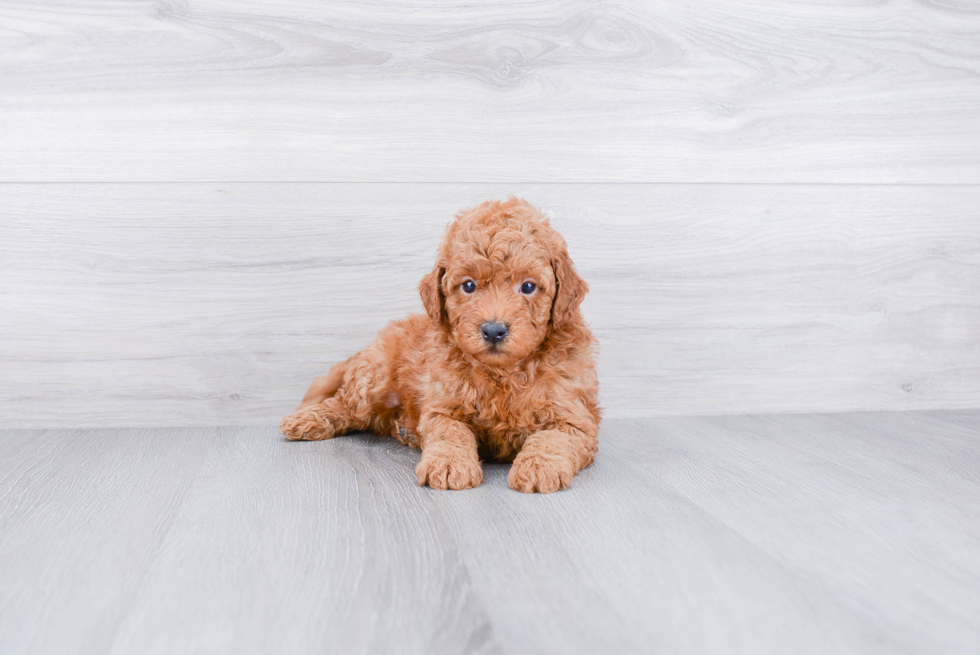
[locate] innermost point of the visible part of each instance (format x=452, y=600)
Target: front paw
x=449, y=469
x=538, y=472
x=306, y=423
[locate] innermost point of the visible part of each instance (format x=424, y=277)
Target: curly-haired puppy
x=500, y=366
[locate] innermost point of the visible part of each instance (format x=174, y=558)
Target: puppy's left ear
x=570, y=291
x=430, y=288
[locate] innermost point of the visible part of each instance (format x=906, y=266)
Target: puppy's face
x=503, y=280
x=499, y=293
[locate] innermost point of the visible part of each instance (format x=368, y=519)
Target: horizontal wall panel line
x=521, y=183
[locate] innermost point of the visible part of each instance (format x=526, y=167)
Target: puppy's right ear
x=430, y=288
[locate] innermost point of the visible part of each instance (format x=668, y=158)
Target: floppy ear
x=430, y=288
x=570, y=289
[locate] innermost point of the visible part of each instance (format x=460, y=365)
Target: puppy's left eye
x=528, y=288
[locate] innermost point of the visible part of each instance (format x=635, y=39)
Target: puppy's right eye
x=468, y=287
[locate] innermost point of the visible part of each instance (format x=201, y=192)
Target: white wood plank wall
x=203, y=204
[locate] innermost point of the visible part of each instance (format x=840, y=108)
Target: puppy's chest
x=501, y=418
x=503, y=411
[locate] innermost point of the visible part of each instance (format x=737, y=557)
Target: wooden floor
x=783, y=534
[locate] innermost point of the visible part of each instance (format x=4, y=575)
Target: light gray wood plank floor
x=792, y=533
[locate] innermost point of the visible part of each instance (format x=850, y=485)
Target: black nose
x=493, y=332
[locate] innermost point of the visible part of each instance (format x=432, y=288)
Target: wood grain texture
x=286, y=549
x=513, y=91
x=967, y=418
x=82, y=516
x=218, y=304
x=853, y=533
x=812, y=492
x=743, y=517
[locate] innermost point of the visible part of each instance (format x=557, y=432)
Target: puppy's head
x=503, y=282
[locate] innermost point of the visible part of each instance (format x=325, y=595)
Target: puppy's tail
x=325, y=387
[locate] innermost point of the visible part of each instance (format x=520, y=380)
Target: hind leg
x=323, y=420
x=323, y=388
x=358, y=404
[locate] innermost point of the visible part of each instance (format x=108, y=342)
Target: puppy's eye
x=528, y=288
x=468, y=287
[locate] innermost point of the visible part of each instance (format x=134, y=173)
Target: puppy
x=500, y=367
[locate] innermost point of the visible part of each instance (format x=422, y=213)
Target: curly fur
x=433, y=382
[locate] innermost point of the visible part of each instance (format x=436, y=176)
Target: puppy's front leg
x=550, y=459
x=449, y=454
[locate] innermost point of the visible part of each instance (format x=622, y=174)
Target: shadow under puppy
x=499, y=368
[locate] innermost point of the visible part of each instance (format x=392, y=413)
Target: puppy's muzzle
x=494, y=332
